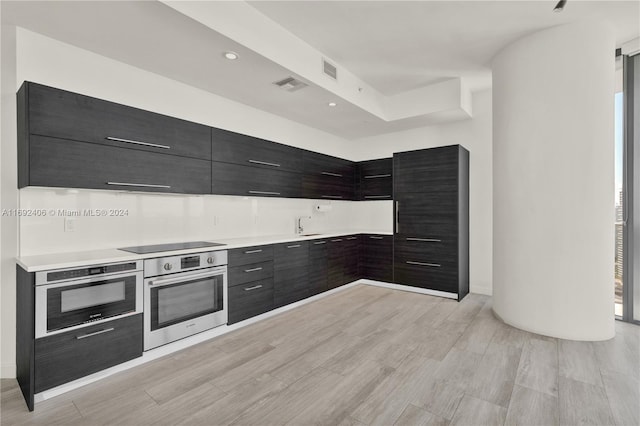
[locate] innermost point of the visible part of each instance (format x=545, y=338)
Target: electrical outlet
x=69, y=224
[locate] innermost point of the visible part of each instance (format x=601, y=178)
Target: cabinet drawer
x=230, y=147
x=424, y=275
x=250, y=272
x=245, y=255
x=61, y=114
x=68, y=356
x=293, y=254
x=70, y=164
x=318, y=249
x=426, y=249
x=434, y=168
x=234, y=179
x=251, y=299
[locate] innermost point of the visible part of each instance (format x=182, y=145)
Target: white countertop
x=44, y=262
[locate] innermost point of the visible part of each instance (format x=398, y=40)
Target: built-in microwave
x=67, y=299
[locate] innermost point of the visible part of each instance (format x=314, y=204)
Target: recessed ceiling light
x=332, y=104
x=232, y=56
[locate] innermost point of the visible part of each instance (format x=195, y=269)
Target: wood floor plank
x=437, y=313
x=538, y=369
x=414, y=416
x=577, y=361
x=477, y=337
x=583, y=404
x=474, y=411
x=532, y=408
x=623, y=393
x=494, y=377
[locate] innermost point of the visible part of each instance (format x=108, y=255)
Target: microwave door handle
x=183, y=278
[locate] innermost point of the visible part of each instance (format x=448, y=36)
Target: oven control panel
x=187, y=262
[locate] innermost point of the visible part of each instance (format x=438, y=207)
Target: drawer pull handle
x=331, y=174
x=264, y=192
x=253, y=269
x=377, y=176
x=431, y=265
x=352, y=238
x=142, y=185
x=319, y=242
x=153, y=145
x=294, y=246
x=264, y=163
x=336, y=240
x=253, y=251
x=427, y=240
x=95, y=333
x=337, y=197
x=255, y=287
x=375, y=238
x=373, y=197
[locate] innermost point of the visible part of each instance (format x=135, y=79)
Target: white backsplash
x=160, y=218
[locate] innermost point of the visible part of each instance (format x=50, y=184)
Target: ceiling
x=399, y=49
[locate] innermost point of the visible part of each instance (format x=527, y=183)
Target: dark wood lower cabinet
x=376, y=258
x=64, y=357
x=250, y=299
x=291, y=272
x=318, y=266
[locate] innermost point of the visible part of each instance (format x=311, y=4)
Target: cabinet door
x=230, y=147
x=233, y=179
x=375, y=180
x=352, y=258
x=291, y=272
x=336, y=261
x=64, y=357
x=70, y=164
x=250, y=299
x=434, y=169
x=377, y=257
x=318, y=265
x=328, y=177
x=61, y=114
x=430, y=214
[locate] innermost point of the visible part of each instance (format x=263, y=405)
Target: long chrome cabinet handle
x=375, y=238
x=337, y=197
x=167, y=281
x=352, y=238
x=95, y=333
x=255, y=287
x=142, y=185
x=264, y=192
x=253, y=269
x=397, y=217
x=337, y=240
x=432, y=265
x=320, y=242
x=331, y=174
x=253, y=251
x=264, y=163
x=377, y=196
x=427, y=240
x=154, y=145
x=294, y=246
x=377, y=176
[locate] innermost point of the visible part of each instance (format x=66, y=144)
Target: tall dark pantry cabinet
x=431, y=223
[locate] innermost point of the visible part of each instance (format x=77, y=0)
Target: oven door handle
x=183, y=278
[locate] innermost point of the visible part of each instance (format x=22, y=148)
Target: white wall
x=476, y=136
x=553, y=182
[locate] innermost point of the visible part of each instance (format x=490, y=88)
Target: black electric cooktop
x=157, y=248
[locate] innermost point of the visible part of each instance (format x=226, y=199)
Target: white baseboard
x=409, y=288
x=8, y=370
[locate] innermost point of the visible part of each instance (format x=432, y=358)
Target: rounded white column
x=553, y=182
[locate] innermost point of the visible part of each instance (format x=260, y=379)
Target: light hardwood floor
x=366, y=355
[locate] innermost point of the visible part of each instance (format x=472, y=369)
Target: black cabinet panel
x=245, y=255
x=427, y=249
x=430, y=214
x=291, y=272
x=250, y=299
x=375, y=179
x=291, y=255
x=352, y=258
x=230, y=147
x=376, y=257
x=234, y=179
x=68, y=356
x=70, y=164
x=238, y=275
x=318, y=265
x=441, y=278
x=328, y=177
x=419, y=171
x=337, y=263
x=61, y=114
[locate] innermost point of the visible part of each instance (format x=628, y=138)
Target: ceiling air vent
x=290, y=84
x=329, y=69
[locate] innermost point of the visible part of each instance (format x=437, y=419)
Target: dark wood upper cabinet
x=235, y=179
x=328, y=177
x=431, y=219
x=375, y=180
x=230, y=147
x=66, y=115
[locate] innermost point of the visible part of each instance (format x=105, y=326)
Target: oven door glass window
x=77, y=304
x=175, y=303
